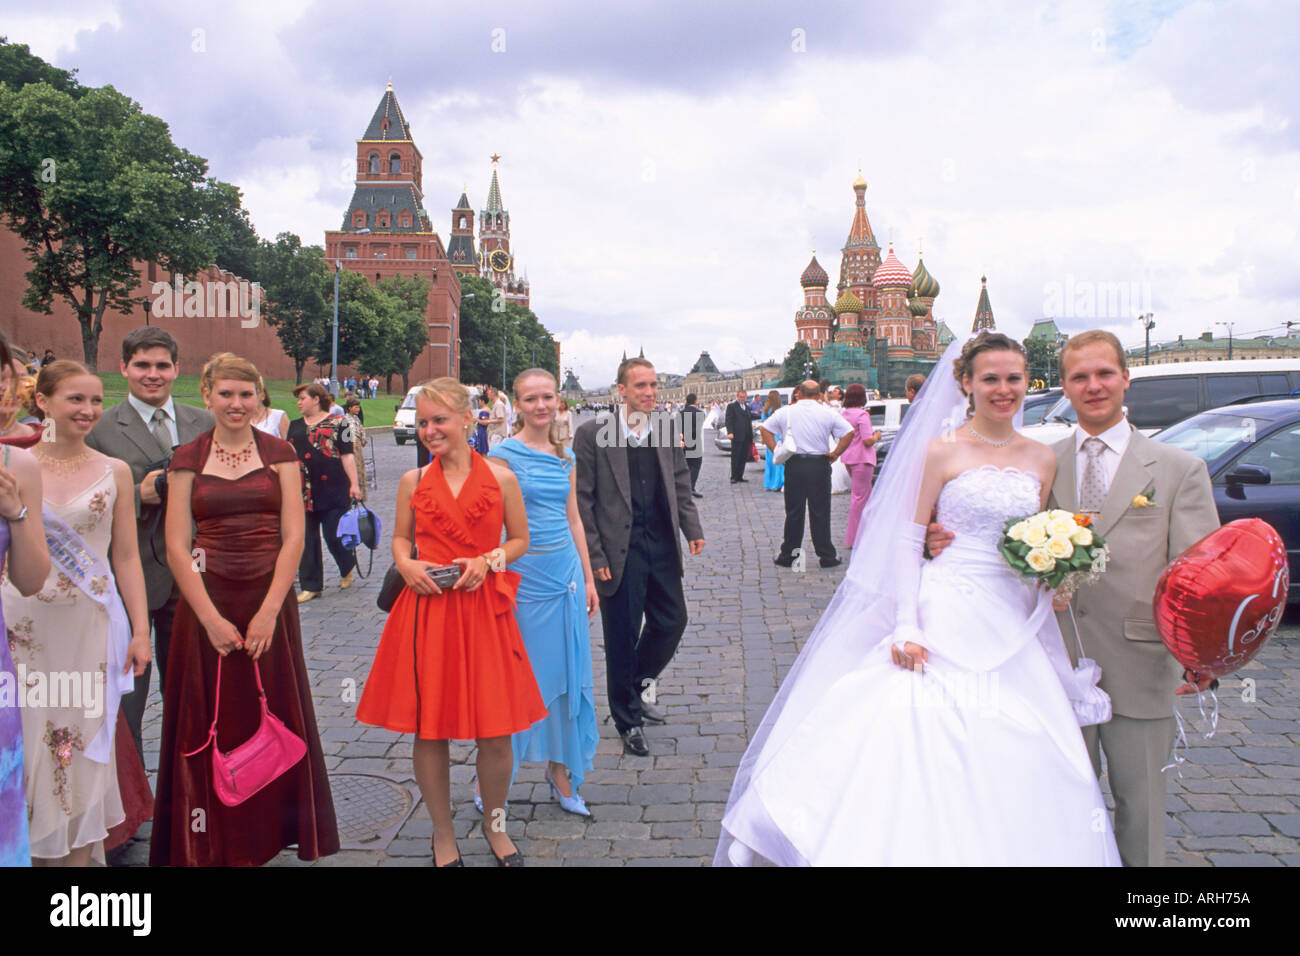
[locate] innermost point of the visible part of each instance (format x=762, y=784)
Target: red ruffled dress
x=453, y=666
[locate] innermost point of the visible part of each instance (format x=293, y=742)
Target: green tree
x=235, y=244
x=793, y=369
x=487, y=325
x=19, y=66
x=92, y=185
x=294, y=284
x=1040, y=357
x=400, y=333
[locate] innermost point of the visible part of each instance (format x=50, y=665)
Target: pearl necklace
x=233, y=458
x=990, y=441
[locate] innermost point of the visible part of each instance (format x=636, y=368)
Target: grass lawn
x=378, y=411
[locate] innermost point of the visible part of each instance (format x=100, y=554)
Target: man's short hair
x=690, y=398
x=914, y=382
x=148, y=337
x=823, y=385
x=1088, y=338
x=627, y=365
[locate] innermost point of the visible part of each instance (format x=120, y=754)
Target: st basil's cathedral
x=881, y=327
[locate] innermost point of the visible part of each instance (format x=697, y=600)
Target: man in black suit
x=740, y=429
x=691, y=422
x=633, y=492
x=142, y=431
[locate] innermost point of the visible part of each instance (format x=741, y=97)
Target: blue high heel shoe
x=573, y=804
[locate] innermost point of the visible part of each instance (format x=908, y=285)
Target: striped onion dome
x=891, y=272
x=848, y=302
x=924, y=285
x=814, y=277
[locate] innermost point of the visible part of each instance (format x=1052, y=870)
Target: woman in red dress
x=451, y=664
x=242, y=488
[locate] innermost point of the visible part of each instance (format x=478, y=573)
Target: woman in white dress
x=273, y=421
x=928, y=720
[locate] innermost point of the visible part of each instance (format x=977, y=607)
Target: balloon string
x=1180, y=744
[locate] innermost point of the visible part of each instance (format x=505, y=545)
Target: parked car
x=1252, y=451
x=720, y=440
x=1038, y=404
x=404, y=420
x=1159, y=395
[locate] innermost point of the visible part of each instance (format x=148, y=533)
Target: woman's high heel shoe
x=572, y=804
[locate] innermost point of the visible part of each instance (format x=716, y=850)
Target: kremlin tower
x=983, y=310
x=496, y=261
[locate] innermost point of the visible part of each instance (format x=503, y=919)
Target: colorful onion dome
x=848, y=302
x=916, y=306
x=924, y=285
x=891, y=272
x=814, y=277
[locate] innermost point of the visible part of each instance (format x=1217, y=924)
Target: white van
x=404, y=423
x=1159, y=395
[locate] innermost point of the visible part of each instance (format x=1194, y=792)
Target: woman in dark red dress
x=451, y=664
x=243, y=489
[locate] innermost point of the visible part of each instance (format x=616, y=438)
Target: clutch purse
x=785, y=449
x=267, y=755
x=393, y=583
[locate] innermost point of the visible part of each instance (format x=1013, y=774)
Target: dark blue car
x=1253, y=454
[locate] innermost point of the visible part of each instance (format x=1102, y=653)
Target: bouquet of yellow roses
x=1058, y=548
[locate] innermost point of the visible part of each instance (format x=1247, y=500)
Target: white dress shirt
x=811, y=424
x=1115, y=439
x=145, y=411
x=636, y=436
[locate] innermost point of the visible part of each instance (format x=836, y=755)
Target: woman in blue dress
x=557, y=594
x=773, y=474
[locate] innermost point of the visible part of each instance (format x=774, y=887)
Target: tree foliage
x=487, y=324
x=294, y=281
x=1040, y=357
x=793, y=368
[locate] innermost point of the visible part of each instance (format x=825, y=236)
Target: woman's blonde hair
x=228, y=365
x=557, y=446
x=446, y=392
x=47, y=382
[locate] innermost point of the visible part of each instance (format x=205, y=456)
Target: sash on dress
x=92, y=575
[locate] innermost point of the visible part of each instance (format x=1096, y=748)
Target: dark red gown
x=238, y=530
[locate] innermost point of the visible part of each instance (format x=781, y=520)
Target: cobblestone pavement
x=1235, y=805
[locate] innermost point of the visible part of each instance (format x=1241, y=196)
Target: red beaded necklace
x=234, y=458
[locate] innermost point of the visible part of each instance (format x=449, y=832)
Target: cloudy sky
x=670, y=166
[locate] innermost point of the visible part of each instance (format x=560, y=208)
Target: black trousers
x=133, y=704
x=808, y=482
x=741, y=455
x=311, y=569
x=693, y=466
x=651, y=586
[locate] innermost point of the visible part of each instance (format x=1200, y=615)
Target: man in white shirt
x=812, y=425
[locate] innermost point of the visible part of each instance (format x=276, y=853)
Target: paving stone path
x=1237, y=802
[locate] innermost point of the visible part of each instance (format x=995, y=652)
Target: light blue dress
x=14, y=850
x=552, y=616
x=773, y=474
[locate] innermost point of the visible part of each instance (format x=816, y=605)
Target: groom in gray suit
x=142, y=431
x=1151, y=502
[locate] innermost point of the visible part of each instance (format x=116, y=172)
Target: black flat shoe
x=696, y=494
x=634, y=742
x=434, y=857
x=831, y=562
x=514, y=859
x=781, y=562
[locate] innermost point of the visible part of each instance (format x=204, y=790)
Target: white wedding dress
x=977, y=761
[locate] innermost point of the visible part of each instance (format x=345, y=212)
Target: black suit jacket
x=740, y=423
x=690, y=420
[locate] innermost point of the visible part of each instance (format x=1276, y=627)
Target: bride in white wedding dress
x=928, y=720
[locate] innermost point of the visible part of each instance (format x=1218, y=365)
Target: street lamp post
x=148, y=307
x=1228, y=326
x=504, y=334
x=1148, y=323
x=334, y=356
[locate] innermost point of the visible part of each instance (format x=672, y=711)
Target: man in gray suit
x=634, y=497
x=1151, y=502
x=142, y=431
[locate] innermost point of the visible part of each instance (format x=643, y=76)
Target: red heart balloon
x=1219, y=602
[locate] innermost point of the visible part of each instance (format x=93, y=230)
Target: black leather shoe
x=634, y=742
x=652, y=714
x=514, y=859
x=456, y=862
x=781, y=562
x=696, y=494
x=831, y=562
x=742, y=479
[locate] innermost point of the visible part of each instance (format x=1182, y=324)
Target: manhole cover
x=370, y=809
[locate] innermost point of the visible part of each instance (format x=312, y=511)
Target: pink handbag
x=272, y=751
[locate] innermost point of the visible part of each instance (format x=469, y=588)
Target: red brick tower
x=460, y=251
x=496, y=261
x=860, y=258
x=813, y=321
x=386, y=231
x=983, y=309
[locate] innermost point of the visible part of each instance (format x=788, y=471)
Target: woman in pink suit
x=860, y=457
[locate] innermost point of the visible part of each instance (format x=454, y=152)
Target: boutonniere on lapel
x=1146, y=499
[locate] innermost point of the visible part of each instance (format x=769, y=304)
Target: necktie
x=159, y=429
x=1092, y=490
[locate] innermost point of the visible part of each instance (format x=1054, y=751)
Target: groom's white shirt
x=1115, y=439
